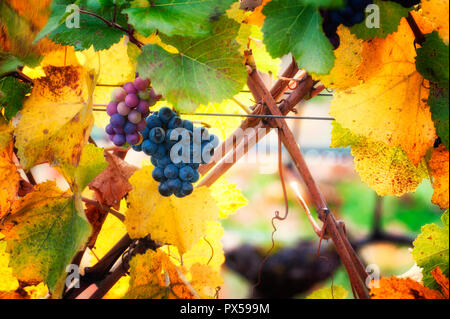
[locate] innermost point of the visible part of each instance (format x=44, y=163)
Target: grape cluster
x=128, y=109
x=353, y=13
x=176, y=148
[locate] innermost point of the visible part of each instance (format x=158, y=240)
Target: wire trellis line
x=262, y=116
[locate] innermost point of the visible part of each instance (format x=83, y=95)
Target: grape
x=186, y=174
x=165, y=114
x=133, y=138
x=160, y=152
x=119, y=139
x=132, y=100
x=130, y=88
x=154, y=121
x=163, y=162
x=111, y=109
x=109, y=130
x=119, y=130
x=134, y=117
x=196, y=177
x=149, y=148
x=175, y=122
x=144, y=95
x=141, y=126
x=137, y=148
x=187, y=188
x=130, y=128
x=145, y=133
x=171, y=171
x=164, y=189
x=141, y=84
x=174, y=185
x=157, y=135
x=123, y=109
x=158, y=174
x=118, y=95
x=188, y=125
x=143, y=107
x=118, y=121
x=111, y=137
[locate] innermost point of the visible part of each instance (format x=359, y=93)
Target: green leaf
x=431, y=250
x=390, y=15
x=92, y=163
x=293, y=27
x=205, y=70
x=334, y=292
x=8, y=63
x=43, y=233
x=12, y=94
x=328, y=4
x=176, y=17
x=432, y=59
x=92, y=31
x=439, y=106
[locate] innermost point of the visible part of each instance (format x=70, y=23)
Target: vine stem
x=130, y=33
x=335, y=230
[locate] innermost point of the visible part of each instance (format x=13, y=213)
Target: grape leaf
x=328, y=4
x=390, y=15
x=8, y=63
x=111, y=185
x=257, y=17
x=439, y=106
x=431, y=250
x=12, y=94
x=228, y=197
x=432, y=60
x=334, y=292
x=397, y=92
x=8, y=282
x=47, y=135
x=436, y=11
x=92, y=162
x=179, y=222
x=386, y=169
x=348, y=59
x=440, y=173
x=43, y=234
x=293, y=27
x=92, y=31
x=6, y=133
x=205, y=70
x=442, y=281
x=9, y=183
x=176, y=17
x=402, y=288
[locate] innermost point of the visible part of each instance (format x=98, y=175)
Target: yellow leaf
x=228, y=197
x=437, y=12
x=205, y=280
x=114, y=67
x=176, y=221
x=391, y=106
x=8, y=282
x=9, y=182
x=154, y=276
x=265, y=62
x=440, y=172
x=386, y=169
x=257, y=17
x=56, y=119
x=348, y=59
x=6, y=133
x=334, y=292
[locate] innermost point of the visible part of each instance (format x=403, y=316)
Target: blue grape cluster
x=177, y=148
x=128, y=109
x=352, y=13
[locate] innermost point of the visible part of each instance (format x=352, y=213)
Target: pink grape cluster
x=128, y=109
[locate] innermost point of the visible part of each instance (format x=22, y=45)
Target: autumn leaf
x=431, y=250
x=8, y=282
x=6, y=133
x=44, y=135
x=176, y=221
x=436, y=11
x=442, y=280
x=257, y=17
x=228, y=197
x=440, y=173
x=390, y=107
x=154, y=276
x=43, y=233
x=9, y=182
x=386, y=169
x=403, y=288
x=112, y=184
x=348, y=59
